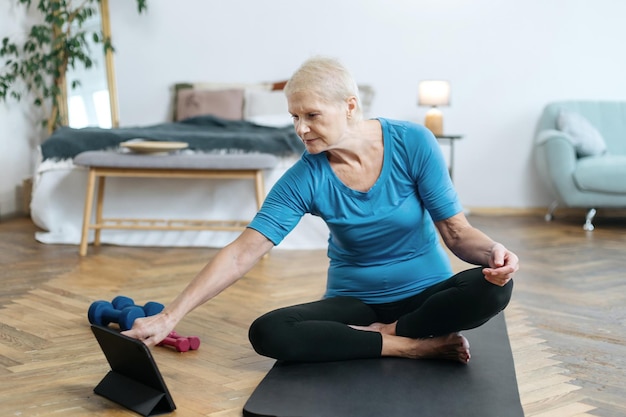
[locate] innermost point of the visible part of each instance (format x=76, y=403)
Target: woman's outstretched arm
x=231, y=263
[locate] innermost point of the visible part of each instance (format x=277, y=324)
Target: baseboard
x=26, y=191
x=13, y=216
x=506, y=211
x=542, y=211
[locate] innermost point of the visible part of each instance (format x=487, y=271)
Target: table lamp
x=434, y=93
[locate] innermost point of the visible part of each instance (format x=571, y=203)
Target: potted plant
x=60, y=41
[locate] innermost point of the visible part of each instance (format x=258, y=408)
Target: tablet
x=134, y=380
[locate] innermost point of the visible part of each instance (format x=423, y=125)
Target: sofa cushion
x=585, y=137
x=602, y=174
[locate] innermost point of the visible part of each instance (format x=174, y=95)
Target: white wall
x=20, y=129
x=505, y=60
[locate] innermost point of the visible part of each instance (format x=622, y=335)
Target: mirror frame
x=109, y=64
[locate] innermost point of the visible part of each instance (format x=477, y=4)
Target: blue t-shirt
x=383, y=244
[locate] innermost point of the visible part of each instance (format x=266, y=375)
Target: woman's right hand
x=151, y=330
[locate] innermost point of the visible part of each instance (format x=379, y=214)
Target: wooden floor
x=566, y=320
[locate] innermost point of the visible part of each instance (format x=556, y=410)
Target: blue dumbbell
x=151, y=308
x=102, y=313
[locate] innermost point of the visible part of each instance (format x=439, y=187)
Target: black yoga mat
x=390, y=387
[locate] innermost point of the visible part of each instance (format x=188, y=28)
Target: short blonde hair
x=328, y=79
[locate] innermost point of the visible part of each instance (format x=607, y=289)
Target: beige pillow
x=227, y=104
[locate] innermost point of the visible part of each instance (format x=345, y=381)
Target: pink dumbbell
x=181, y=344
x=194, y=341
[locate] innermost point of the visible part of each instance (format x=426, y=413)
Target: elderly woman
x=383, y=189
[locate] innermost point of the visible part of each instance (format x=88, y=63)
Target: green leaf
x=56, y=43
x=141, y=5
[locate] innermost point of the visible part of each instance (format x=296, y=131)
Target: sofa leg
x=550, y=214
x=588, y=219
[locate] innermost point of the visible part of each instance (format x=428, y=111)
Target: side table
x=450, y=139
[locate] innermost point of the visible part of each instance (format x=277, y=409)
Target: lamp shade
x=433, y=93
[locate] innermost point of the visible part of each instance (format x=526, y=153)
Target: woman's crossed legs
x=425, y=325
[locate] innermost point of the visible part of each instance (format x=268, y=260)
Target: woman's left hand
x=502, y=265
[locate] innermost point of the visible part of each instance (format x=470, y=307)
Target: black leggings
x=318, y=331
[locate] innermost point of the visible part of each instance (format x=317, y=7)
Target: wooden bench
x=103, y=164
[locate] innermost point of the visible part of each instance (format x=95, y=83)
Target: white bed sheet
x=58, y=201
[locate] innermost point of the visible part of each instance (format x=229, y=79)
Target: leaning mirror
x=91, y=96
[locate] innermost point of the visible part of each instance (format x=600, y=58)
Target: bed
x=215, y=118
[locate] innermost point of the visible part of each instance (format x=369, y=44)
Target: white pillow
x=585, y=137
x=263, y=103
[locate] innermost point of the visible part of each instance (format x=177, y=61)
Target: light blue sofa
x=588, y=175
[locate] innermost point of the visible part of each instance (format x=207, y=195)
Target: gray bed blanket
x=202, y=133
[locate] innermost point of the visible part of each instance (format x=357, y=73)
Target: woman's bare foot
x=453, y=346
